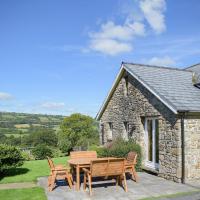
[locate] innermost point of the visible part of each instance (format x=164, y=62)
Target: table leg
x=77, y=178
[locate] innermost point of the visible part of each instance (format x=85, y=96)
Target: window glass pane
x=157, y=139
x=149, y=127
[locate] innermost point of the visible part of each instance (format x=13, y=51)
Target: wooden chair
x=83, y=154
x=105, y=168
x=130, y=163
x=58, y=172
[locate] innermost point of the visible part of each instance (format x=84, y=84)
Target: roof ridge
x=155, y=66
x=192, y=66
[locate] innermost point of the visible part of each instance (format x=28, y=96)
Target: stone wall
x=133, y=108
x=192, y=147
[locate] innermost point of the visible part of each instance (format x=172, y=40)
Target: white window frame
x=151, y=164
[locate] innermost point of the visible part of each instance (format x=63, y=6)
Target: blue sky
x=60, y=57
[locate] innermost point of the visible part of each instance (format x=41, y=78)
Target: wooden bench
x=104, y=168
x=83, y=154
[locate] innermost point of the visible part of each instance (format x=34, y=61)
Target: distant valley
x=17, y=124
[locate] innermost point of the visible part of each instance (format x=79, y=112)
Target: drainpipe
x=183, y=147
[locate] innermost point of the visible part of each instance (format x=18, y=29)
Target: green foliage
x=64, y=143
x=41, y=136
x=120, y=148
x=57, y=153
x=27, y=156
x=10, y=157
x=42, y=151
x=77, y=130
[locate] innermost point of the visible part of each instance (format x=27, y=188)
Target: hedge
x=120, y=148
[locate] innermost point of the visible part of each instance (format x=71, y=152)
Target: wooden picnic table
x=79, y=163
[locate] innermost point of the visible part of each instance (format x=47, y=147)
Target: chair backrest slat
x=99, y=167
x=50, y=162
x=132, y=157
x=83, y=154
x=115, y=166
x=107, y=167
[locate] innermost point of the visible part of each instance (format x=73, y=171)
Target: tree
x=41, y=136
x=41, y=152
x=78, y=130
x=10, y=157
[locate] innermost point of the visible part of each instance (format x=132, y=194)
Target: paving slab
x=17, y=185
x=149, y=186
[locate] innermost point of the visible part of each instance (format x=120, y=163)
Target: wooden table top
x=85, y=161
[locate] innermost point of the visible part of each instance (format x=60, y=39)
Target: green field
x=35, y=193
x=14, y=123
x=30, y=171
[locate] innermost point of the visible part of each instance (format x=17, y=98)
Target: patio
x=148, y=186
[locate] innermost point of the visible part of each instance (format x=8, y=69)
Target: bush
x=58, y=153
x=41, y=151
x=120, y=148
x=10, y=157
x=27, y=156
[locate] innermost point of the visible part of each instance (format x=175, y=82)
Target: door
x=152, y=143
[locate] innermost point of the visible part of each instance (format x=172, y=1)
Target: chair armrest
x=60, y=169
x=86, y=170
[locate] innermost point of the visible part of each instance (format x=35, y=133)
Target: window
x=126, y=86
x=102, y=133
x=152, y=142
x=110, y=130
x=126, y=130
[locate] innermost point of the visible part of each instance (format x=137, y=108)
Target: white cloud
x=113, y=39
x=138, y=28
x=110, y=46
x=162, y=61
x=110, y=30
x=52, y=105
x=5, y=96
x=153, y=13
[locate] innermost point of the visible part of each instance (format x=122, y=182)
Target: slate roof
x=194, y=68
x=172, y=85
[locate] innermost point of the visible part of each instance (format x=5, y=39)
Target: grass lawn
x=35, y=193
x=31, y=170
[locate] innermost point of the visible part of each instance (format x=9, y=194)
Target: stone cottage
x=160, y=108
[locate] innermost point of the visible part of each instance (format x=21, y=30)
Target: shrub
x=27, y=156
x=58, y=153
x=41, y=151
x=10, y=157
x=120, y=148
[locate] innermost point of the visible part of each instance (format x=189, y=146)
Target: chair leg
x=49, y=181
x=125, y=184
x=90, y=184
x=134, y=174
x=69, y=180
x=117, y=180
x=84, y=181
x=53, y=179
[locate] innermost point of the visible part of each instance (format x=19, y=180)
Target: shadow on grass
x=14, y=172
